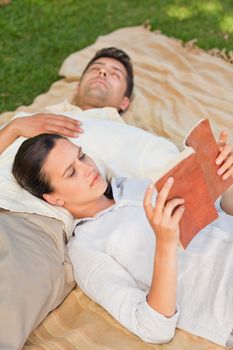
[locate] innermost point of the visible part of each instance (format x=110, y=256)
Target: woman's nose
x=87, y=169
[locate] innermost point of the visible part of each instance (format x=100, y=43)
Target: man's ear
x=52, y=199
x=77, y=88
x=124, y=103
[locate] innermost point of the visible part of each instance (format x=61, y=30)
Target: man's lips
x=95, y=179
x=99, y=81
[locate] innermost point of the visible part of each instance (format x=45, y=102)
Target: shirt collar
x=125, y=192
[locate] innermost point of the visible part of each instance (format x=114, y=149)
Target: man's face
x=103, y=85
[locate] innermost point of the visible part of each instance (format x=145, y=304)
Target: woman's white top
x=113, y=255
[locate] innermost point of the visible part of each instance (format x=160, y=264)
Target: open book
x=196, y=180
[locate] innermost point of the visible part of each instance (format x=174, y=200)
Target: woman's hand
x=225, y=157
x=225, y=160
x=165, y=217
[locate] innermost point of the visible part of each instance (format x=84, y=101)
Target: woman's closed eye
x=82, y=156
x=73, y=170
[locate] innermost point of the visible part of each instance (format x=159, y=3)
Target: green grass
x=36, y=35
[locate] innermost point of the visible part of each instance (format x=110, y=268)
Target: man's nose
x=103, y=73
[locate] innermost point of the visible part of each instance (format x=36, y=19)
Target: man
x=107, y=81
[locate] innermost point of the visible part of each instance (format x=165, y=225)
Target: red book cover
x=196, y=180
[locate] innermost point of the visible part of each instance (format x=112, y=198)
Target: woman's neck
x=91, y=209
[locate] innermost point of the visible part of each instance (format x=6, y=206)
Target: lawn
x=36, y=35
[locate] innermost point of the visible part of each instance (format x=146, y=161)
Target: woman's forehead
x=61, y=156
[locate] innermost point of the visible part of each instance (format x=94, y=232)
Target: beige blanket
x=175, y=87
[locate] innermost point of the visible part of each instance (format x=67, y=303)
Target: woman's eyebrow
x=72, y=164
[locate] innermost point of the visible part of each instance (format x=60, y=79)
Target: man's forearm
x=8, y=134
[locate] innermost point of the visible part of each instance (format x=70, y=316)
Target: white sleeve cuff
x=152, y=322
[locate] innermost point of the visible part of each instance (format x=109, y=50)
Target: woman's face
x=74, y=176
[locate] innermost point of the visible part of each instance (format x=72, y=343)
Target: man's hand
x=45, y=123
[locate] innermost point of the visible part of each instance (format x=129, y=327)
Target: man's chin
x=96, y=99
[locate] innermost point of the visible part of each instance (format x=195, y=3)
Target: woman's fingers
x=224, y=154
x=225, y=157
x=163, y=209
x=160, y=200
x=226, y=169
x=171, y=208
x=222, y=139
x=162, y=196
x=165, y=216
x=178, y=215
x=147, y=201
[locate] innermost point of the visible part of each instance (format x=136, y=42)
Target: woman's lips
x=95, y=179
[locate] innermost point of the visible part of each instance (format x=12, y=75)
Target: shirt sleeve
x=156, y=153
x=106, y=282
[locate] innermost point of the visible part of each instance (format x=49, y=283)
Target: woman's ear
x=52, y=199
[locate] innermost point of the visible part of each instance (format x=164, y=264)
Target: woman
x=126, y=258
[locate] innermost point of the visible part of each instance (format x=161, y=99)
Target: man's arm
x=38, y=124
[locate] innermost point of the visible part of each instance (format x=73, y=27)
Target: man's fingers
x=62, y=130
x=65, y=119
x=45, y=122
x=66, y=122
x=62, y=125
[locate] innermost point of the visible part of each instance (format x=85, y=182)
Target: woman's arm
x=38, y=124
x=109, y=284
x=164, y=219
x=225, y=160
x=227, y=201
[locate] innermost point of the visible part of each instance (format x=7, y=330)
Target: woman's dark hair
x=28, y=163
x=123, y=58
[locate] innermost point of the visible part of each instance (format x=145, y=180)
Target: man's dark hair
x=28, y=164
x=123, y=58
